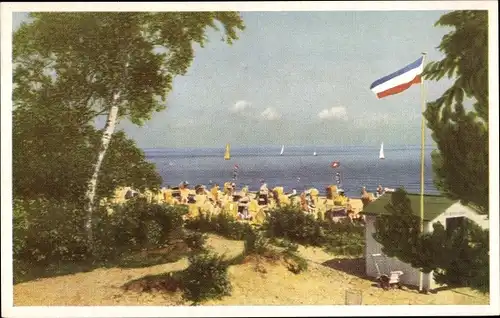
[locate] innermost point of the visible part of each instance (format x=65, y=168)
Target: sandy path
x=317, y=286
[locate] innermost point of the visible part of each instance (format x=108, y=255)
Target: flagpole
x=422, y=160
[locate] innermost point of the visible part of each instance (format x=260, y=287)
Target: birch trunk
x=109, y=128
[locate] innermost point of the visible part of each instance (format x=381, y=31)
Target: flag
x=335, y=164
x=400, y=80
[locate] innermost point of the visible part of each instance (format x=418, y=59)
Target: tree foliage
x=82, y=56
x=461, y=167
x=117, y=63
x=53, y=155
x=459, y=257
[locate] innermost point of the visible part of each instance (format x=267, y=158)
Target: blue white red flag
x=400, y=80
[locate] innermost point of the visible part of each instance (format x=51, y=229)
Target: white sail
x=282, y=149
x=381, y=154
x=314, y=154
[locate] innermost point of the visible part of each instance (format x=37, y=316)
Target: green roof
x=434, y=205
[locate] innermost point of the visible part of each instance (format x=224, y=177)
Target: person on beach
x=263, y=194
x=303, y=202
x=215, y=192
x=380, y=190
x=310, y=202
x=235, y=172
x=233, y=189
x=243, y=204
x=365, y=197
x=184, y=191
x=245, y=189
x=276, y=197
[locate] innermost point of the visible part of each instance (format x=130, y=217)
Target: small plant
x=222, y=224
x=287, y=244
x=206, y=278
x=255, y=243
x=196, y=241
x=295, y=263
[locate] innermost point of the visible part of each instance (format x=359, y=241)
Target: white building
x=436, y=209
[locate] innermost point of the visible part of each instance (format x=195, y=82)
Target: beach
x=326, y=282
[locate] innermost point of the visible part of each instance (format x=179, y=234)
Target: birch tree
x=116, y=64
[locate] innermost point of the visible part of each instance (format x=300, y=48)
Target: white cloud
x=270, y=114
x=333, y=113
x=239, y=107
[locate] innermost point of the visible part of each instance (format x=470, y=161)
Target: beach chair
x=193, y=211
x=279, y=190
x=388, y=278
x=253, y=207
x=259, y=217
x=231, y=208
x=284, y=200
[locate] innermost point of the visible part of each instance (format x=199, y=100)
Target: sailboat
x=282, y=149
x=315, y=154
x=381, y=154
x=227, y=154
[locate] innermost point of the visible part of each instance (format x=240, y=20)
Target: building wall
x=459, y=210
x=410, y=275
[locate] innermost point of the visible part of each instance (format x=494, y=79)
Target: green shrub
x=290, y=246
x=46, y=231
x=206, y=278
x=291, y=222
x=138, y=223
x=19, y=228
x=294, y=226
x=196, y=241
x=255, y=243
x=222, y=224
x=295, y=263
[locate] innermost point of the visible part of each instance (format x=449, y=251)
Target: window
x=454, y=223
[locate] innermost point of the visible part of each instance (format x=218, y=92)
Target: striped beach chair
x=231, y=208
x=253, y=208
x=193, y=211
x=259, y=217
x=284, y=200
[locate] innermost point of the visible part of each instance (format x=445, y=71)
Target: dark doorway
x=453, y=224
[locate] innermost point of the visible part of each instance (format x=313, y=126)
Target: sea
x=297, y=168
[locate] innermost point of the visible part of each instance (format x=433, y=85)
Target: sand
x=324, y=283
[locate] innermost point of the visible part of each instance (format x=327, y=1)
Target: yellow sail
x=227, y=155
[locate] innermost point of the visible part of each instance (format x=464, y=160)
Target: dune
x=326, y=282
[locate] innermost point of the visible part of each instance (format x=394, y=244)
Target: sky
x=299, y=78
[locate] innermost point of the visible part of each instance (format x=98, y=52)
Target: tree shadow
x=169, y=282
x=351, y=266
x=24, y=272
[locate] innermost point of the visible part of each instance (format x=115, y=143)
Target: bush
x=290, y=246
x=46, y=231
x=206, y=278
x=222, y=224
x=139, y=224
x=196, y=241
x=291, y=222
x=295, y=226
x=255, y=243
x=19, y=228
x=295, y=263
